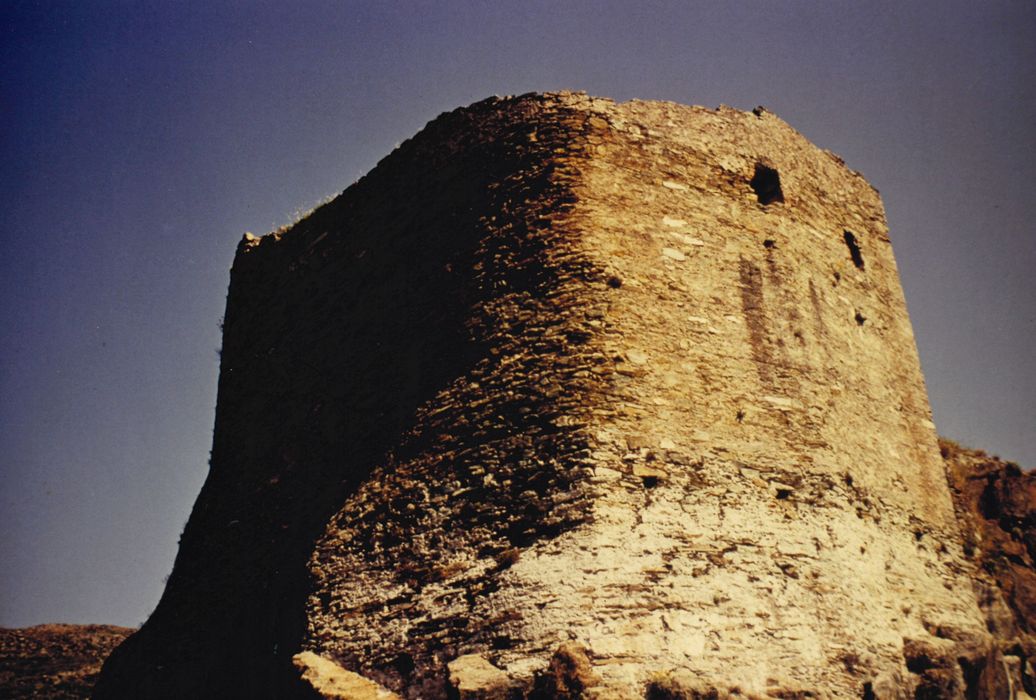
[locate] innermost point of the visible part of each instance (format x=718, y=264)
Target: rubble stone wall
x=635, y=380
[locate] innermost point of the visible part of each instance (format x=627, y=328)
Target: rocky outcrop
x=616, y=398
x=54, y=661
x=996, y=504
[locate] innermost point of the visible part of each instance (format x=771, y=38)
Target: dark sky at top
x=140, y=140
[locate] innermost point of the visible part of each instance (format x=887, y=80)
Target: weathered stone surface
x=329, y=680
x=637, y=377
x=569, y=675
x=474, y=678
x=674, y=687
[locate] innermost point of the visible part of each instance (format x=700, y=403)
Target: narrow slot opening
x=854, y=249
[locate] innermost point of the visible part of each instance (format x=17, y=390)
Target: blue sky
x=140, y=140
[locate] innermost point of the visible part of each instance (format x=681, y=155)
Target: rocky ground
x=54, y=661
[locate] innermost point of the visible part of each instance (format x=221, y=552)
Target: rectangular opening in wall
x=854, y=249
x=766, y=183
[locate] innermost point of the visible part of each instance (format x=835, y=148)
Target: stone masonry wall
x=765, y=504
x=336, y=333
x=795, y=526
x=636, y=378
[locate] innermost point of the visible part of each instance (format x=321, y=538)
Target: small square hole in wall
x=766, y=183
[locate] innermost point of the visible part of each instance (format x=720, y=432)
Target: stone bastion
x=612, y=400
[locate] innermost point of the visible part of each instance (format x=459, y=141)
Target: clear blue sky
x=141, y=139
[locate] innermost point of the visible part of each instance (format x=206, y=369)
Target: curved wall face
x=638, y=377
x=337, y=331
